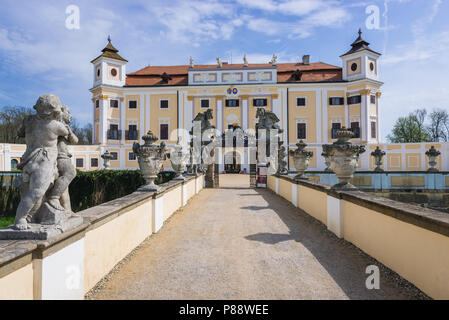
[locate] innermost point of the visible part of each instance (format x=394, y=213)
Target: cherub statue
x=58, y=196
x=39, y=170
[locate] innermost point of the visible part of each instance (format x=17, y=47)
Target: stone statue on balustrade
x=47, y=170
x=267, y=120
x=201, y=124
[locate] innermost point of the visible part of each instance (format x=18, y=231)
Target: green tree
x=411, y=128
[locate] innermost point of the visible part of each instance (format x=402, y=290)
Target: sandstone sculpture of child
x=41, y=132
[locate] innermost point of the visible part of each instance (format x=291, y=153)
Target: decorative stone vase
x=150, y=157
x=179, y=159
x=343, y=157
x=301, y=159
x=378, y=155
x=432, y=154
x=326, y=162
x=107, y=156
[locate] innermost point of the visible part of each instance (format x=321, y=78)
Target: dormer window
x=297, y=75
x=165, y=77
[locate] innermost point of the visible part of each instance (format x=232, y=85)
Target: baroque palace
x=311, y=99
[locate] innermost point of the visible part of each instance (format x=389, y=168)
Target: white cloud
x=300, y=7
x=267, y=5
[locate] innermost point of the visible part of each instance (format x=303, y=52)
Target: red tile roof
x=313, y=72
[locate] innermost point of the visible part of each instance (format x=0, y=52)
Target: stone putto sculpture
x=326, y=162
x=44, y=209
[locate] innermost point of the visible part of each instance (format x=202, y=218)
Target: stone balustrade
x=71, y=264
x=410, y=240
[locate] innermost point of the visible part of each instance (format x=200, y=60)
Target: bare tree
x=10, y=121
x=439, y=125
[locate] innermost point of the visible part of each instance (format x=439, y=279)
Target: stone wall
x=410, y=240
x=68, y=266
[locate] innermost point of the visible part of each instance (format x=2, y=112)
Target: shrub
x=88, y=189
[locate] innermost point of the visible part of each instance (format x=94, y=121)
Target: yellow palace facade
x=311, y=99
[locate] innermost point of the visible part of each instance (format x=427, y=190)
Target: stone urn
x=326, y=162
x=378, y=155
x=301, y=159
x=179, y=159
x=343, y=157
x=107, y=157
x=150, y=157
x=432, y=154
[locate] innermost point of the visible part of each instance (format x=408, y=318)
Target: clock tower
x=109, y=67
x=360, y=62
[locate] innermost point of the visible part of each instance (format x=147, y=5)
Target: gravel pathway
x=239, y=243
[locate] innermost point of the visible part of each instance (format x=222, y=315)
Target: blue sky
x=38, y=54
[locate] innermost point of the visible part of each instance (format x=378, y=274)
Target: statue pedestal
x=55, y=222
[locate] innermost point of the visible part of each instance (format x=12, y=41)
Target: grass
x=6, y=221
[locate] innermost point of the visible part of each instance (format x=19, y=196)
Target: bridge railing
x=410, y=240
x=71, y=264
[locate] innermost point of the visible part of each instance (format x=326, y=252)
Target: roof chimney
x=306, y=59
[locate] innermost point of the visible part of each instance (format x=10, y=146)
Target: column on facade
x=147, y=112
x=364, y=115
x=219, y=155
x=189, y=115
x=318, y=117
x=7, y=157
x=180, y=117
x=245, y=112
x=94, y=137
x=220, y=113
x=122, y=121
x=103, y=125
x=141, y=118
x=326, y=124
x=378, y=94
